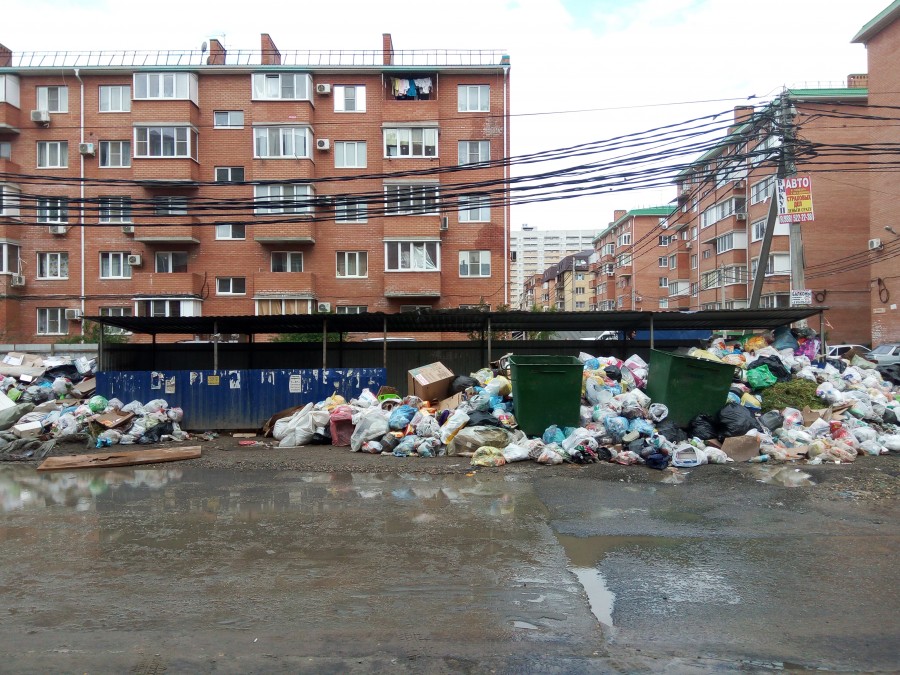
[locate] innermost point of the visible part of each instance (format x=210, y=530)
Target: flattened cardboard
x=810, y=415
x=741, y=448
x=86, y=387
x=451, y=403
x=431, y=382
x=112, y=419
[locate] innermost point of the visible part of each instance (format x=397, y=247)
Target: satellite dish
x=203, y=47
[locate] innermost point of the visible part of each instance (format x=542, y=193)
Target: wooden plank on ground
x=104, y=459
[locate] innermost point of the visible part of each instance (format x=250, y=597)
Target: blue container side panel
x=237, y=399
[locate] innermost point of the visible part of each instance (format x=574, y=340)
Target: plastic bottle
x=759, y=459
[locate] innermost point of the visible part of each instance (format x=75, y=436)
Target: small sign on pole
x=802, y=297
x=795, y=203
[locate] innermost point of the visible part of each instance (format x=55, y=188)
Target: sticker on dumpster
x=212, y=380
x=170, y=385
x=802, y=297
x=295, y=384
x=795, y=203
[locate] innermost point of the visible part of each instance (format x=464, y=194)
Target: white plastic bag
x=515, y=453
x=452, y=426
x=369, y=428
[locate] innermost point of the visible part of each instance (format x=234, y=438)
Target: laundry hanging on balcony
x=402, y=87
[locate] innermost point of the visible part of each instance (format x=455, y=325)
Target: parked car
x=886, y=354
x=834, y=351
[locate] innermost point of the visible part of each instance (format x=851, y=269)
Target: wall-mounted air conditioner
x=322, y=144
x=323, y=89
x=58, y=229
x=323, y=307
x=73, y=314
x=128, y=229
x=874, y=244
x=740, y=216
x=17, y=280
x=87, y=149
x=135, y=260
x=40, y=116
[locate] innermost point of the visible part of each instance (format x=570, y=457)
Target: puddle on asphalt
x=785, y=476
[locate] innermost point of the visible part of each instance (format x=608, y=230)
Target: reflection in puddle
x=785, y=476
x=600, y=597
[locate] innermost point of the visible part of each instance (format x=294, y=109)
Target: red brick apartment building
x=249, y=183
x=881, y=36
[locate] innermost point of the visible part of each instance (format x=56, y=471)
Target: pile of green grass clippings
x=793, y=394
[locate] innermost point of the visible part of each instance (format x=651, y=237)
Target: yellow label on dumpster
x=212, y=380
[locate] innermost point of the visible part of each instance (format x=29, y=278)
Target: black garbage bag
x=63, y=370
x=154, y=434
x=735, y=420
x=657, y=460
x=322, y=437
x=479, y=418
x=890, y=417
x=772, y=420
x=890, y=373
x=671, y=431
x=613, y=373
x=463, y=382
x=776, y=367
x=702, y=427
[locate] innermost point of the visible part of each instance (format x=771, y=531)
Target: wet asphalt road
x=187, y=569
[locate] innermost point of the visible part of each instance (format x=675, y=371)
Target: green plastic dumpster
x=546, y=391
x=688, y=386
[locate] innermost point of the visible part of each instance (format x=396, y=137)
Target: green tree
x=91, y=335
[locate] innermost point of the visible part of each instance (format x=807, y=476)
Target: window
x=154, y=142
x=410, y=142
x=52, y=321
x=414, y=308
x=474, y=263
x=723, y=209
x=474, y=152
x=579, y=290
x=170, y=206
x=9, y=201
x=694, y=261
x=410, y=199
x=351, y=309
x=725, y=243
x=664, y=239
x=474, y=209
x=228, y=119
x=609, y=249
x=52, y=210
x=623, y=260
x=9, y=90
x=5, y=150
x=664, y=282
x=664, y=303
x=350, y=210
x=53, y=265
x=115, y=209
x=412, y=256
x=759, y=229
x=474, y=98
x=53, y=99
x=663, y=261
x=350, y=98
x=231, y=231
x=624, y=239
x=10, y=258
x=290, y=142
x=115, y=154
x=284, y=86
x=231, y=286
x=170, y=262
x=707, y=253
x=775, y=300
x=580, y=304
x=287, y=261
x=168, y=307
x=778, y=263
x=761, y=191
x=352, y=264
x=282, y=306
x=229, y=174
x=114, y=312
x=282, y=198
x=181, y=86
x=115, y=98
x=114, y=265
x=53, y=154
x=673, y=262
x=350, y=155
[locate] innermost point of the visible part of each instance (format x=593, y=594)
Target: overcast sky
x=618, y=60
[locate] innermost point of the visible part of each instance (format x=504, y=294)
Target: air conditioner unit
x=688, y=245
x=87, y=149
x=128, y=229
x=17, y=280
x=58, y=229
x=740, y=216
x=874, y=244
x=73, y=314
x=323, y=307
x=739, y=185
x=135, y=260
x=322, y=144
x=445, y=223
x=41, y=116
x=323, y=89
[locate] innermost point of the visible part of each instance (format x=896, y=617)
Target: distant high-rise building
x=533, y=251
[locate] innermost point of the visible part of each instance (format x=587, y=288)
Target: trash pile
x=475, y=416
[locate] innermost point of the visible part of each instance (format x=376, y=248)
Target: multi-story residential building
x=633, y=262
x=724, y=196
x=881, y=36
x=532, y=251
x=179, y=184
x=573, y=281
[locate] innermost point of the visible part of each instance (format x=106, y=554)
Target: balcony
x=10, y=119
x=175, y=230
x=165, y=170
x=679, y=288
x=427, y=227
x=302, y=232
x=284, y=283
x=162, y=283
x=412, y=285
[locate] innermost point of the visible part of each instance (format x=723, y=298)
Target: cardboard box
x=431, y=382
x=810, y=415
x=86, y=388
x=113, y=418
x=451, y=403
x=28, y=429
x=741, y=448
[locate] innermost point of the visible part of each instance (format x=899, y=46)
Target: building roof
x=884, y=19
x=648, y=211
x=833, y=94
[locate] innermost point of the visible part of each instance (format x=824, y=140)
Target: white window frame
x=707, y=253
x=725, y=243
x=170, y=205
x=116, y=312
x=350, y=210
x=356, y=260
x=403, y=199
x=758, y=229
x=282, y=306
x=9, y=90
x=52, y=210
x=9, y=201
x=231, y=232
x=474, y=209
x=283, y=198
x=274, y=86
x=694, y=261
x=762, y=190
x=402, y=142
x=164, y=262
x=10, y=258
x=45, y=101
x=289, y=259
x=53, y=154
x=664, y=239
x=673, y=261
x=663, y=282
x=231, y=285
x=624, y=239
x=52, y=321
x=474, y=152
x=473, y=98
x=477, y=260
x=114, y=209
x=115, y=98
x=115, y=154
x=351, y=309
x=46, y=260
x=5, y=150
x=663, y=262
x=165, y=86
x=183, y=307
x=114, y=265
x=229, y=173
x=412, y=256
x=350, y=155
x=664, y=303
x=228, y=119
x=277, y=142
x=347, y=102
x=174, y=142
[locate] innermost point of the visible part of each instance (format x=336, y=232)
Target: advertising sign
x=795, y=200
